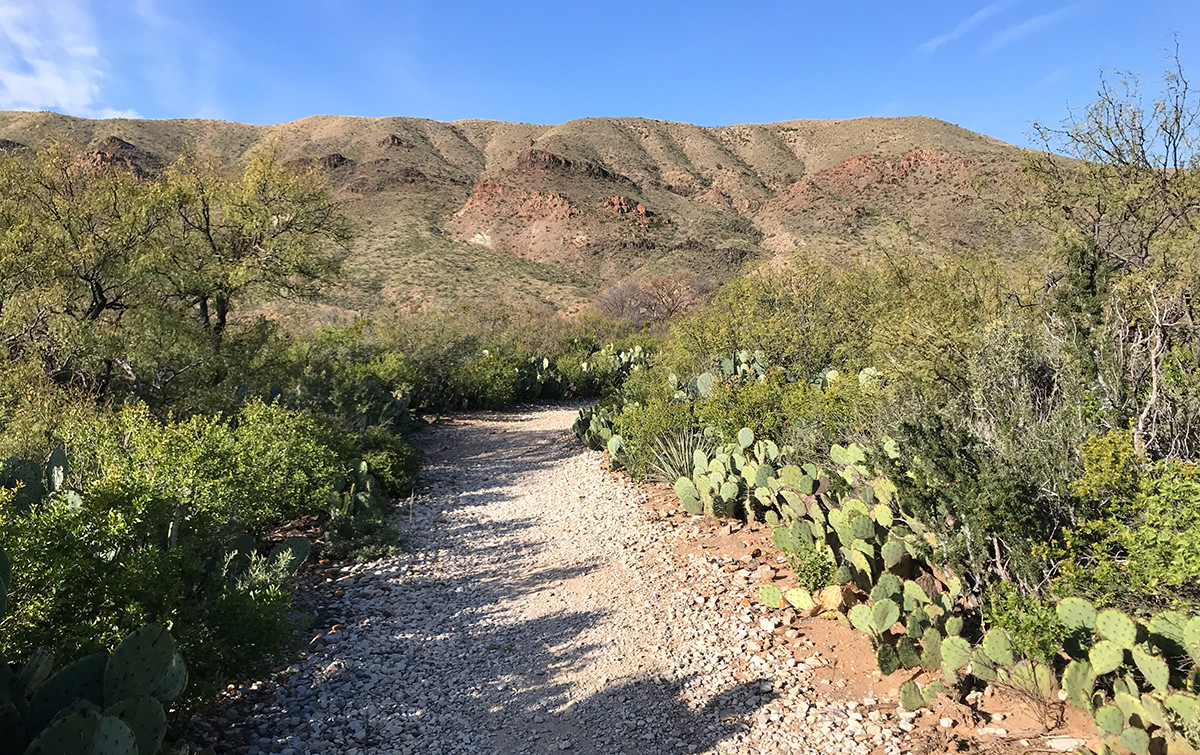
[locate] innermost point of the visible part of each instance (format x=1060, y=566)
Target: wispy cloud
x=49, y=59
x=973, y=21
x=1033, y=25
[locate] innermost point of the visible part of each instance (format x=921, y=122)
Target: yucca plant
x=673, y=453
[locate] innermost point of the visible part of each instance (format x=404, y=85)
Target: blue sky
x=988, y=66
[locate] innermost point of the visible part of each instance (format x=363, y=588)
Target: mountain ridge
x=451, y=212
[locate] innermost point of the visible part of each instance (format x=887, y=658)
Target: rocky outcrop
x=395, y=141
x=491, y=197
x=535, y=160
x=117, y=153
x=336, y=160
x=626, y=206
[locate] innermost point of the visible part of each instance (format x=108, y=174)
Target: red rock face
x=117, y=153
x=626, y=206
x=491, y=197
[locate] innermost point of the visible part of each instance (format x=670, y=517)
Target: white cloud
x=1025, y=28
x=971, y=22
x=49, y=59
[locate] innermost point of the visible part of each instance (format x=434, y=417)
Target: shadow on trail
x=459, y=669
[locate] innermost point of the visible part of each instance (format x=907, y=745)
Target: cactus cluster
x=594, y=427
x=738, y=479
x=102, y=704
x=1138, y=679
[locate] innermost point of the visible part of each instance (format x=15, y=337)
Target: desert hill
x=479, y=210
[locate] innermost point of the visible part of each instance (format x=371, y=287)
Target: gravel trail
x=538, y=607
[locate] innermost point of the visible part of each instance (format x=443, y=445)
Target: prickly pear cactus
x=1076, y=613
x=139, y=664
x=146, y=720
x=1117, y=627
x=770, y=595
x=910, y=696
x=81, y=680
x=1079, y=681
x=290, y=553
x=85, y=733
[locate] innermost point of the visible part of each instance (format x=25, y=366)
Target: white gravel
x=539, y=608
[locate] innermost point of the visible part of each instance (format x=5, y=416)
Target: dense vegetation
x=171, y=454
x=1026, y=438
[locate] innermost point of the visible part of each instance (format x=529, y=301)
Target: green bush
x=812, y=568
x=1140, y=548
x=391, y=459
x=1031, y=621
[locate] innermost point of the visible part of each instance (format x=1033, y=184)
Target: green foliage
x=1031, y=622
x=60, y=712
x=1142, y=543
x=812, y=568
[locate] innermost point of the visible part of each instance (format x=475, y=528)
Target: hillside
x=460, y=212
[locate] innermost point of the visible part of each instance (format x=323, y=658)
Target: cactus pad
x=954, y=625
x=1154, y=669
x=174, y=682
x=863, y=527
x=932, y=690
x=1076, y=613
x=1106, y=656
x=745, y=437
x=931, y=649
x=799, y=598
x=1117, y=627
x=1031, y=677
x=145, y=718
x=782, y=539
x=893, y=552
x=956, y=653
x=1110, y=719
x=1185, y=706
x=910, y=696
x=1079, y=681
x=860, y=618
x=769, y=595
x=887, y=659
x=982, y=665
x=290, y=553
x=1191, y=639
x=1136, y=741
x=889, y=586
x=139, y=664
x=906, y=650
x=83, y=679
x=33, y=674
x=882, y=515
x=884, y=614
x=999, y=647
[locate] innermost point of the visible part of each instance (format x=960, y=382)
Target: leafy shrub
x=1031, y=621
x=1140, y=547
x=639, y=424
x=812, y=568
x=393, y=460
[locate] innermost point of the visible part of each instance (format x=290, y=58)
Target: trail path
x=538, y=608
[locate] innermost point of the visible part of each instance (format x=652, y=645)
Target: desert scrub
x=812, y=568
x=1030, y=621
x=1140, y=548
